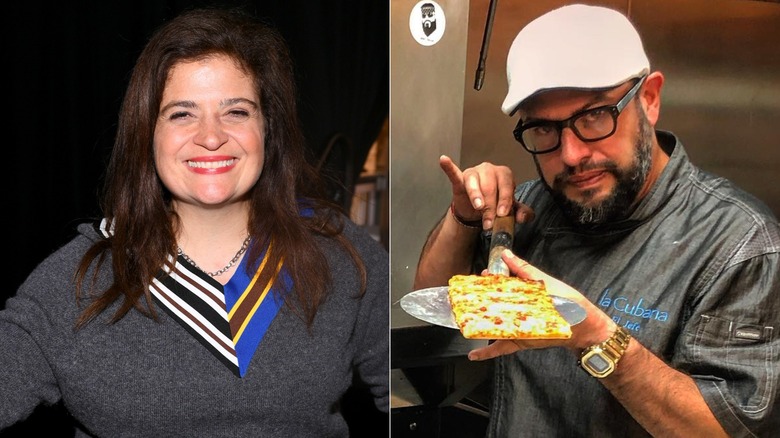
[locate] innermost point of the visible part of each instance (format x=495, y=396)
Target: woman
x=221, y=294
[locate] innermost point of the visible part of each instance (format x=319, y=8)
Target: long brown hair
x=138, y=206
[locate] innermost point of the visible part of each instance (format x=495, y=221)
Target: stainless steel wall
x=721, y=59
x=426, y=121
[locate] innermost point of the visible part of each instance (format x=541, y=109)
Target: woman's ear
x=650, y=96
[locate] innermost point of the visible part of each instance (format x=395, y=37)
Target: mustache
x=569, y=171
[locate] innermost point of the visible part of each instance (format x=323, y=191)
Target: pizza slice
x=505, y=307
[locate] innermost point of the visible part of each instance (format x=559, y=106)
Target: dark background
x=67, y=65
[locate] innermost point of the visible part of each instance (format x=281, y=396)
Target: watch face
x=598, y=364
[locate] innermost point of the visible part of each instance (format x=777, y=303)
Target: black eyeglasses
x=543, y=136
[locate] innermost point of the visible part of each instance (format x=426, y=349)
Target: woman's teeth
x=210, y=164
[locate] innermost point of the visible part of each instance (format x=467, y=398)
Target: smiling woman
x=209, y=140
x=221, y=292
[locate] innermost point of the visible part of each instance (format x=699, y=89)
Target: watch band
x=617, y=343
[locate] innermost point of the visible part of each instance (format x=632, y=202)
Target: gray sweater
x=140, y=377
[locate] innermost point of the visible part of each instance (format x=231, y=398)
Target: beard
x=429, y=26
x=629, y=182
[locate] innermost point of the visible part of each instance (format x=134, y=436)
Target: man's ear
x=650, y=96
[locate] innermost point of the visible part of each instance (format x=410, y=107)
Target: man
x=676, y=269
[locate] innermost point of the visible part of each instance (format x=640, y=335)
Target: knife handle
x=502, y=237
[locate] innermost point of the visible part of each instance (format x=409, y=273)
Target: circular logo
x=427, y=22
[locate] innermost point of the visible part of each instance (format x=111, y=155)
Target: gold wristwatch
x=600, y=360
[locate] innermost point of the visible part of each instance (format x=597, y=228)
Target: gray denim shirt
x=692, y=274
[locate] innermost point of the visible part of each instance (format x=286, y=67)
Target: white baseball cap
x=575, y=46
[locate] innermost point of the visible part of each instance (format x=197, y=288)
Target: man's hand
x=596, y=327
x=483, y=192
x=478, y=193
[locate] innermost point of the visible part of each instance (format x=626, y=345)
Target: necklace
x=241, y=250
